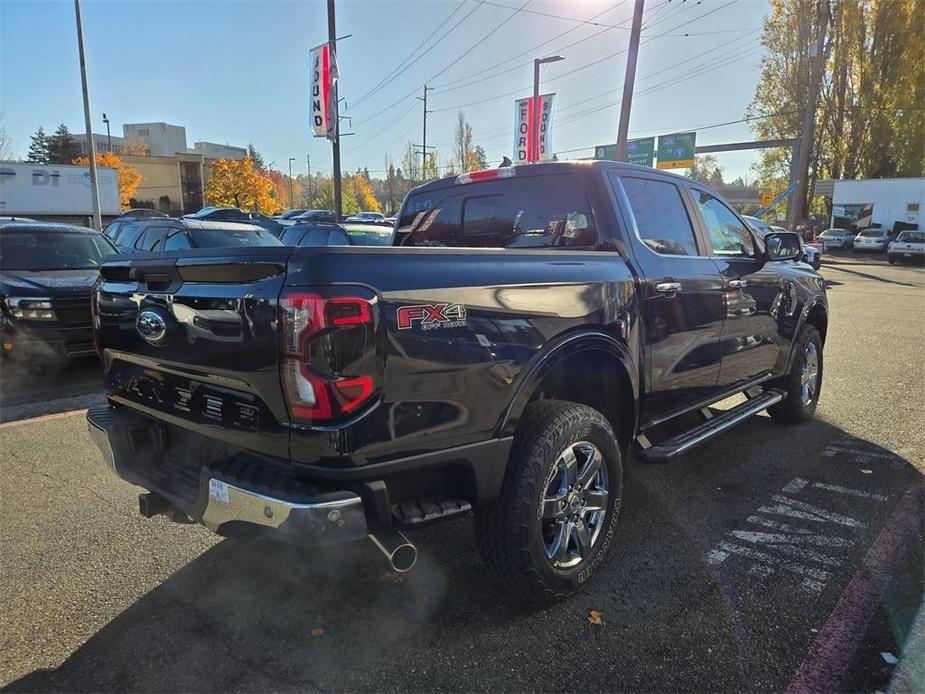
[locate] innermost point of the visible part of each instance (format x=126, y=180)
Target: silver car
x=837, y=238
x=875, y=240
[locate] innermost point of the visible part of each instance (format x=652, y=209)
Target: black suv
x=46, y=274
x=234, y=214
x=141, y=235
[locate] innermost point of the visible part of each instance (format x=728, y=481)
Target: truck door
x=750, y=342
x=681, y=295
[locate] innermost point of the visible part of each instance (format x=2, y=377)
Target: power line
x=396, y=71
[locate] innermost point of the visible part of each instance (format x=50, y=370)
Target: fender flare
x=552, y=356
x=804, y=314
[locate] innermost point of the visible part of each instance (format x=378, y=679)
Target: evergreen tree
x=38, y=150
x=61, y=146
x=257, y=158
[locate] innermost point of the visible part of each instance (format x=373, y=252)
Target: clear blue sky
x=236, y=71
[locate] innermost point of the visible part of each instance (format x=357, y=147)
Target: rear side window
x=176, y=240
x=529, y=212
x=130, y=234
x=217, y=238
x=152, y=238
x=291, y=235
x=661, y=218
x=112, y=231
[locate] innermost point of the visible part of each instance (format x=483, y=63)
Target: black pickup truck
x=527, y=329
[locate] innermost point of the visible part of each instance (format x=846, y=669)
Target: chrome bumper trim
x=229, y=503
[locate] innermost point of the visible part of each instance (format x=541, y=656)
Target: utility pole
x=291, y=203
x=629, y=81
x=308, y=163
x=817, y=63
x=91, y=146
x=424, y=141
x=335, y=143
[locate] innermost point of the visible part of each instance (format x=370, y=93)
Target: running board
x=709, y=428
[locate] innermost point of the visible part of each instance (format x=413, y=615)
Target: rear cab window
x=218, y=237
x=550, y=211
x=661, y=219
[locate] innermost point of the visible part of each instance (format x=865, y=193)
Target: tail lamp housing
x=328, y=366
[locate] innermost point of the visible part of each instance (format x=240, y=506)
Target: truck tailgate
x=193, y=339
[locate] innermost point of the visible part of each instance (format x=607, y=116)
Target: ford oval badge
x=151, y=326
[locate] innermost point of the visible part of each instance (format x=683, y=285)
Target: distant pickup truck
x=528, y=328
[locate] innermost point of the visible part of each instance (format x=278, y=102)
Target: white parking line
x=850, y=492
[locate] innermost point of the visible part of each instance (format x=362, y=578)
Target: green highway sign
x=639, y=152
x=677, y=151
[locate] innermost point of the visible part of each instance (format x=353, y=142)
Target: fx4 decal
x=431, y=316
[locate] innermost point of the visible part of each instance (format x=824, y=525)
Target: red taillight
x=319, y=392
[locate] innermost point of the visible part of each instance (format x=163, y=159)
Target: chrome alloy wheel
x=574, y=504
x=809, y=374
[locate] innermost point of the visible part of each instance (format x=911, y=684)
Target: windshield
x=829, y=233
x=204, y=212
x=871, y=234
x=216, y=238
x=289, y=214
x=368, y=235
x=42, y=251
x=912, y=237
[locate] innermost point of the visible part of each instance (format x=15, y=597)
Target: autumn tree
x=61, y=146
x=236, y=183
x=464, y=151
x=870, y=121
x=431, y=168
x=324, y=197
x=361, y=189
x=128, y=176
x=38, y=150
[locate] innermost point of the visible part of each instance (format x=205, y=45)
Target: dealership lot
x=753, y=563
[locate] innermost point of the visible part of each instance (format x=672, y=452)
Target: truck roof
x=546, y=168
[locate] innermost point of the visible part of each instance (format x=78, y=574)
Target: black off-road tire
x=508, y=530
x=792, y=409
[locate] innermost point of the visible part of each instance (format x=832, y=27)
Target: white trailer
x=52, y=189
x=883, y=201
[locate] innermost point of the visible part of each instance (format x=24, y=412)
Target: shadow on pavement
x=246, y=614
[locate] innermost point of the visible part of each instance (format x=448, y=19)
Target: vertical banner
x=524, y=115
x=323, y=105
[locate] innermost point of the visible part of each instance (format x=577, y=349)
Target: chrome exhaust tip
x=398, y=549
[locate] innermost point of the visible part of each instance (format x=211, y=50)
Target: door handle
x=736, y=284
x=669, y=288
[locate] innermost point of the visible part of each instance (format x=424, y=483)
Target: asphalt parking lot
x=772, y=558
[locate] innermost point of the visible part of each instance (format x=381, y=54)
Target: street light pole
x=94, y=187
x=108, y=135
x=335, y=143
x=291, y=159
x=537, y=114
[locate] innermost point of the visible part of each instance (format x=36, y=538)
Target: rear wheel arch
x=589, y=369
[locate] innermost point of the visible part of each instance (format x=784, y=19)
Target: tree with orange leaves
x=128, y=175
x=237, y=183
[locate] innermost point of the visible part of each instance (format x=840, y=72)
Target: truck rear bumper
x=226, y=496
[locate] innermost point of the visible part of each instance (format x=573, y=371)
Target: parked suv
x=234, y=214
x=530, y=327
x=46, y=274
x=141, y=235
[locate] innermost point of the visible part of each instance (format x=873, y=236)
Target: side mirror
x=783, y=245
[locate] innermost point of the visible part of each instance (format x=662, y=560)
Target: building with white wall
x=163, y=139
x=214, y=150
x=101, y=142
x=878, y=201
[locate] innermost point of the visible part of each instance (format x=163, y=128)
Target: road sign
x=640, y=152
x=766, y=197
x=676, y=151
